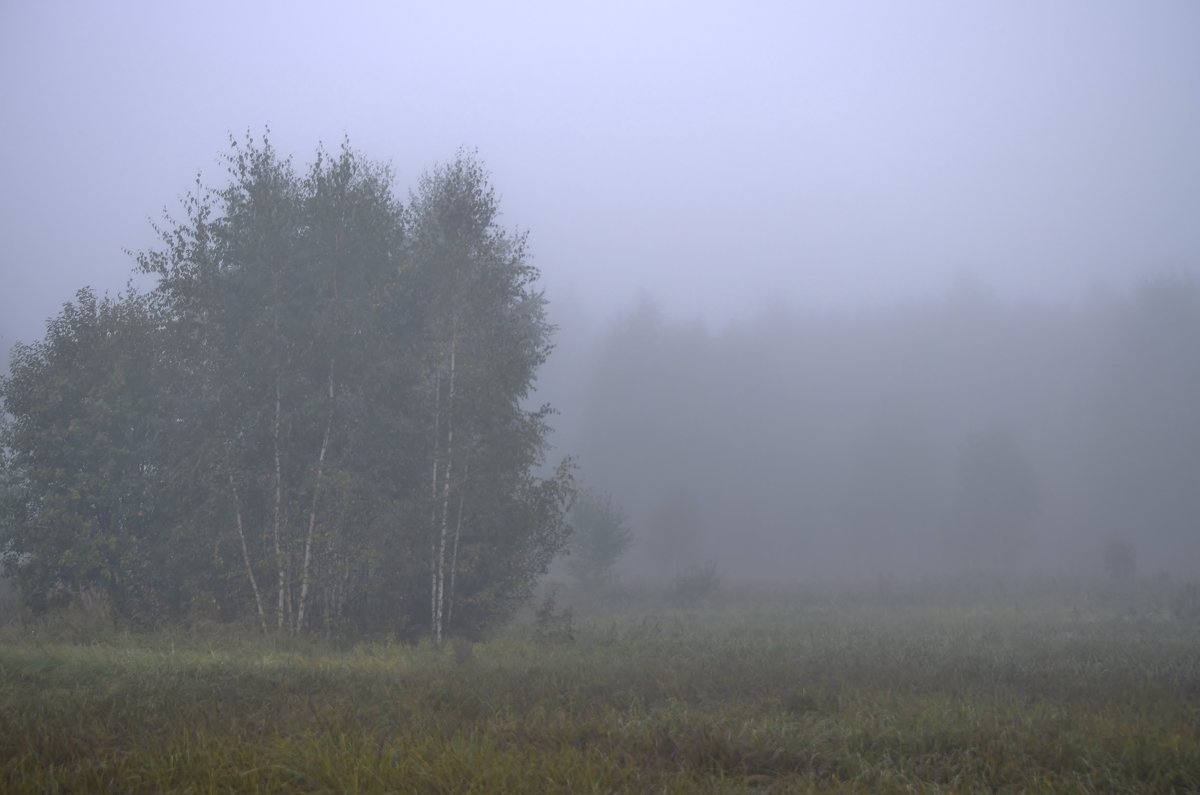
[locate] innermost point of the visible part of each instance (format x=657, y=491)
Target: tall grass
x=871, y=690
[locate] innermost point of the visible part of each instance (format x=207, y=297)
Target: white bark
x=454, y=550
x=444, y=528
x=280, y=563
x=433, y=490
x=237, y=512
x=312, y=512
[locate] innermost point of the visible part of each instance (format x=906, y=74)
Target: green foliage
x=600, y=537
x=83, y=507
x=317, y=413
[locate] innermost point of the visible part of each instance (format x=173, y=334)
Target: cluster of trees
x=316, y=419
x=959, y=433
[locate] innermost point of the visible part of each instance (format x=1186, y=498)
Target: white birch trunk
x=312, y=512
x=277, y=518
x=454, y=550
x=444, y=529
x=433, y=491
x=237, y=512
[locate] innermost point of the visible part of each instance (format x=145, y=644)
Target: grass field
x=890, y=690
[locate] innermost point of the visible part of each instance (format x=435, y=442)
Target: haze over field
x=829, y=277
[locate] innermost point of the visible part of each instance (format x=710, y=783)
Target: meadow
x=1041, y=687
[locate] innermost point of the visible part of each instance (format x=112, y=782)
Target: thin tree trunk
x=237, y=512
x=454, y=551
x=280, y=564
x=433, y=491
x=277, y=508
x=312, y=512
x=439, y=609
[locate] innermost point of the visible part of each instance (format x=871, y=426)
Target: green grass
x=772, y=695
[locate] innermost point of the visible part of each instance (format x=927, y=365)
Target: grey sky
x=716, y=155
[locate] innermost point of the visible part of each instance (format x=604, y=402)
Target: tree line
x=961, y=432
x=317, y=419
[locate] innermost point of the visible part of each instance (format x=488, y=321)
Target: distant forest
x=958, y=435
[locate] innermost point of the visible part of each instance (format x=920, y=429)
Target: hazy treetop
x=713, y=154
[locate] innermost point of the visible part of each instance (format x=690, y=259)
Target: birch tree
x=330, y=397
x=484, y=335
x=268, y=281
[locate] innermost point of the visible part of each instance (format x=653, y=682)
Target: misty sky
x=719, y=156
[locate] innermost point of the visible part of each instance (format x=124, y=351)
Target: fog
x=959, y=434
x=819, y=270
